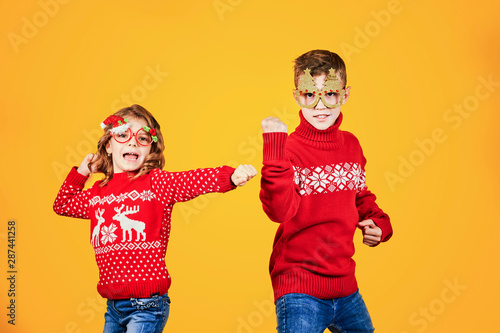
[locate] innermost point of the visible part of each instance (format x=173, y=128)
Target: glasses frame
x=307, y=85
x=321, y=96
x=132, y=134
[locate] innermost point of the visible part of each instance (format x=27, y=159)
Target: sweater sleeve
x=279, y=194
x=368, y=208
x=72, y=200
x=172, y=187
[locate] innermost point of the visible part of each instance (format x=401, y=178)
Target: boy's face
x=320, y=116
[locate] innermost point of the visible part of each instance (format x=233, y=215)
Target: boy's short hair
x=319, y=62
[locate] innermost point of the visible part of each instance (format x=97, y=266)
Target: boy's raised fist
x=273, y=124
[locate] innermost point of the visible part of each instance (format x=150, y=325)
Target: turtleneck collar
x=330, y=138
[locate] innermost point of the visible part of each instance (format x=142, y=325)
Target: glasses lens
x=308, y=99
x=122, y=137
x=144, y=138
x=331, y=97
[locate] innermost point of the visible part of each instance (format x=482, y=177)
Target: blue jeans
x=134, y=315
x=301, y=313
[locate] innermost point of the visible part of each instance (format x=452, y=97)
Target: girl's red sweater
x=130, y=223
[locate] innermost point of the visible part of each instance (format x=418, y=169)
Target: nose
x=320, y=105
x=133, y=141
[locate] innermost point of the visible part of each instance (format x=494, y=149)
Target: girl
x=130, y=210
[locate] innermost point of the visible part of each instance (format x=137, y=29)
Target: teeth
x=131, y=154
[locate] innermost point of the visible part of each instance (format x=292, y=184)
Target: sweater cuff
x=75, y=178
x=385, y=225
x=224, y=178
x=274, y=145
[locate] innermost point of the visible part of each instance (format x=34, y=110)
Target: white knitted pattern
x=330, y=178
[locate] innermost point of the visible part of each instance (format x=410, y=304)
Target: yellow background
x=222, y=66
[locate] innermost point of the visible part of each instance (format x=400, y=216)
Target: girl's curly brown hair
x=104, y=163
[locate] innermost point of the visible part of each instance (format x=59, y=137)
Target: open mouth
x=131, y=156
x=322, y=116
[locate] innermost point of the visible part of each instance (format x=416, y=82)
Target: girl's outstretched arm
x=172, y=187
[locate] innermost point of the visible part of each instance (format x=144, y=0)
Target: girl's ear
x=108, y=147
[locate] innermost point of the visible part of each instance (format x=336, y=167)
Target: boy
x=313, y=184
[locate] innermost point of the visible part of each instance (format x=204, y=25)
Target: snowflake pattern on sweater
x=130, y=223
x=330, y=178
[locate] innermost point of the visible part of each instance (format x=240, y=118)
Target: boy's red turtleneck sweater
x=313, y=184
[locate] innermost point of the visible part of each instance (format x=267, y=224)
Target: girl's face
x=128, y=156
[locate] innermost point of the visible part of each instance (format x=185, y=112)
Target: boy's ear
x=295, y=97
x=346, y=95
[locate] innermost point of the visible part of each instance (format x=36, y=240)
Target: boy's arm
x=174, y=187
x=279, y=193
x=369, y=210
x=72, y=200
